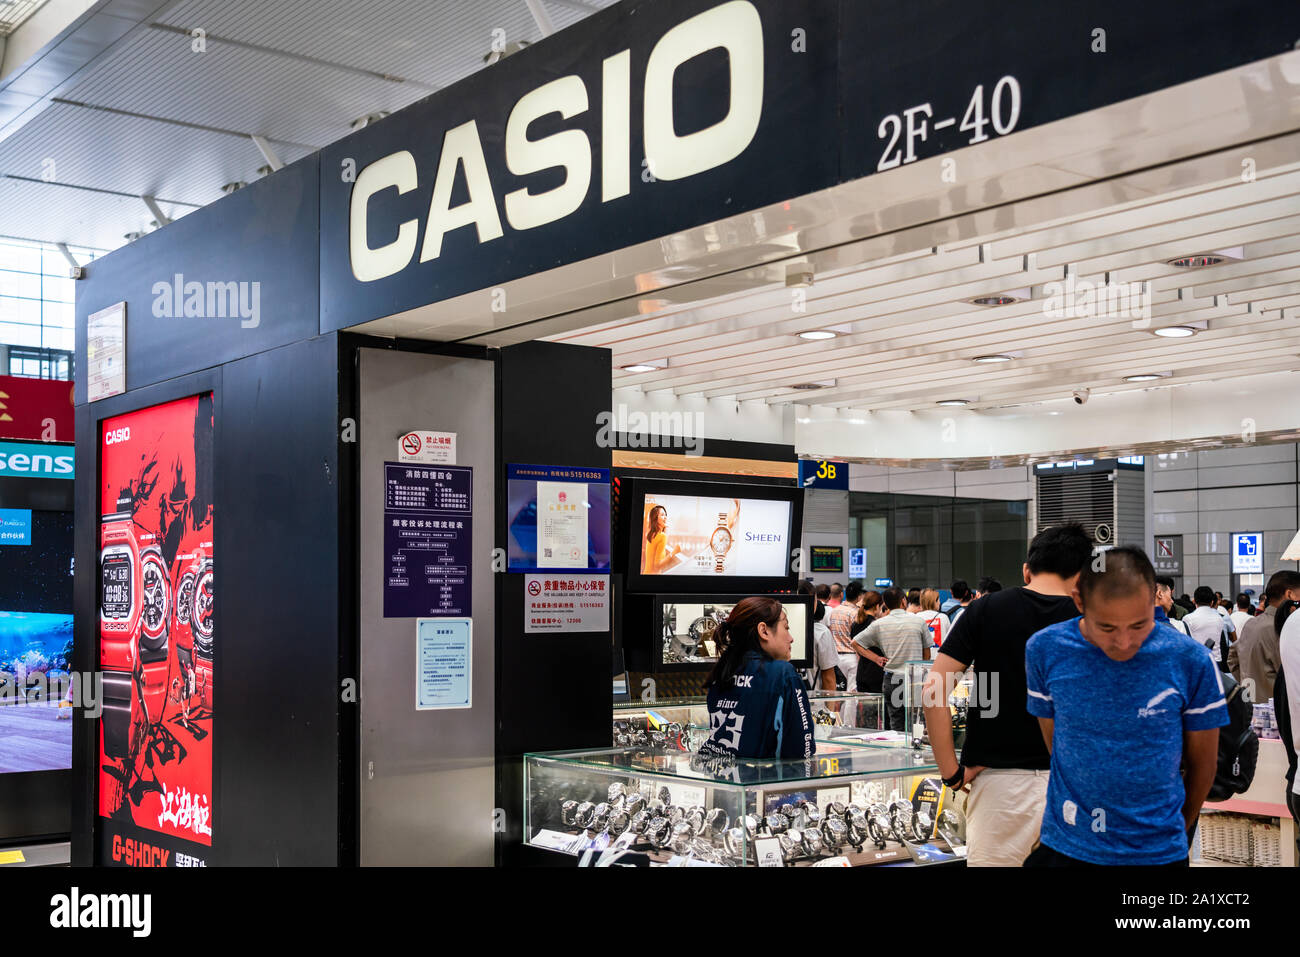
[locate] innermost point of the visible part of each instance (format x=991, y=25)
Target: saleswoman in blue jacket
x=757, y=704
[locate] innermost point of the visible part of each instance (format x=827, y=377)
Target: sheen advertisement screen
x=156, y=631
x=722, y=537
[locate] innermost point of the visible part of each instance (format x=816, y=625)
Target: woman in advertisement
x=656, y=557
x=757, y=704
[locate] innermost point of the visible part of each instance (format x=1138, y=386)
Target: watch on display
x=655, y=807
x=675, y=813
x=837, y=809
x=751, y=824
x=734, y=842
x=681, y=836
x=791, y=844
x=922, y=825
x=777, y=823
x=658, y=831
x=720, y=543
x=599, y=817
x=900, y=820
x=634, y=803
x=812, y=842
x=665, y=795
x=812, y=814
x=566, y=813
x=822, y=716
x=584, y=814
x=834, y=833
x=717, y=821
x=952, y=828
x=638, y=821
x=695, y=817
x=878, y=825
x=617, y=791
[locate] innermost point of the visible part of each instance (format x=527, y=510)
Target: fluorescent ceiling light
x=1000, y=357
x=818, y=334
x=953, y=402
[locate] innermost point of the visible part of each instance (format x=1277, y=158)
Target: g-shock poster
x=694, y=535
x=156, y=633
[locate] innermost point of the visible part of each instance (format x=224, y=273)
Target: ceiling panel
x=49, y=212
x=108, y=151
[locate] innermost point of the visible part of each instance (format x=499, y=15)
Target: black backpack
x=1238, y=745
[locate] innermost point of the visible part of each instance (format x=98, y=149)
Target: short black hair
x=1123, y=571
x=1060, y=550
x=837, y=589
x=914, y=596
x=988, y=586
x=893, y=597
x=852, y=591
x=823, y=592
x=1165, y=581
x=1203, y=595
x=1244, y=602
x=960, y=590
x=1280, y=584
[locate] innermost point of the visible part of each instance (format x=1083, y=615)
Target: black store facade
x=614, y=139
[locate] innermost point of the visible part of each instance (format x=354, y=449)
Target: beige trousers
x=1004, y=813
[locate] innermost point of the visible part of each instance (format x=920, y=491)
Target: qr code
x=546, y=553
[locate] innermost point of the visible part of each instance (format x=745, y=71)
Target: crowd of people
x=1100, y=741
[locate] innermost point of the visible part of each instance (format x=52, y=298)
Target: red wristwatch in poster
x=136, y=594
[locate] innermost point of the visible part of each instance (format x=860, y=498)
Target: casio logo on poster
x=734, y=27
x=117, y=436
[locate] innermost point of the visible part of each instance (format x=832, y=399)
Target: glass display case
x=682, y=724
x=961, y=699
x=849, y=805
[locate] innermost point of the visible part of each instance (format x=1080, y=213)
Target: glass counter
x=851, y=804
x=962, y=697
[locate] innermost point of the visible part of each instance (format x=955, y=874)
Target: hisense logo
x=212, y=300
x=133, y=911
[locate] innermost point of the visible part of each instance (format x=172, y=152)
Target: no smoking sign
x=427, y=448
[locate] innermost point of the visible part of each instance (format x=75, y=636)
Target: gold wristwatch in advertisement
x=720, y=542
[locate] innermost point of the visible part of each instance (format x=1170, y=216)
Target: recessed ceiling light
x=818, y=334
x=953, y=402
x=1197, y=262
x=639, y=368
x=993, y=358
x=807, y=386
x=994, y=300
x=803, y=421
x=1146, y=377
x=1174, y=332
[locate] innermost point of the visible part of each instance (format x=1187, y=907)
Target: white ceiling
x=146, y=115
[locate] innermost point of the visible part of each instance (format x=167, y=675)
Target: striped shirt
x=901, y=636
x=841, y=621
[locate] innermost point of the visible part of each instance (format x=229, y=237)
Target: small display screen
x=826, y=558
x=690, y=625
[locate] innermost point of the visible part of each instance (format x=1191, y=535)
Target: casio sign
x=734, y=27
x=117, y=435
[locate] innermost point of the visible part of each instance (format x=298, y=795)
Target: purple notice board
x=428, y=539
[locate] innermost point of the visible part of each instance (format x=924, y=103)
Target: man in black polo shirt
x=1004, y=759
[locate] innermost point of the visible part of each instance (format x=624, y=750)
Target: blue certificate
x=443, y=654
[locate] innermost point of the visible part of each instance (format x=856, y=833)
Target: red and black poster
x=156, y=630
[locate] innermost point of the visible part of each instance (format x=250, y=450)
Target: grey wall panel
x=430, y=799
x=1248, y=497
x=1246, y=455
x=1179, y=501
x=1262, y=473
x=1247, y=520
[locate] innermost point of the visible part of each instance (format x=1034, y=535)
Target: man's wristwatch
x=958, y=779
x=720, y=543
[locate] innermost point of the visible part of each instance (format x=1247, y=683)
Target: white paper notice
x=106, y=353
x=559, y=603
x=443, y=654
x=427, y=448
x=768, y=850
x=561, y=525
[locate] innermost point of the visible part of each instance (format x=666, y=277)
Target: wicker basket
x=1266, y=842
x=1226, y=837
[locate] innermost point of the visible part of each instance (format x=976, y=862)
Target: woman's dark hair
x=807, y=588
x=738, y=636
x=650, y=532
x=1283, y=613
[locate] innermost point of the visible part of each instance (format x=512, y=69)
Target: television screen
x=559, y=518
x=688, y=623
x=35, y=641
x=714, y=536
x=827, y=558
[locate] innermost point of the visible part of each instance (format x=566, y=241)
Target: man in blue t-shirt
x=1123, y=702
